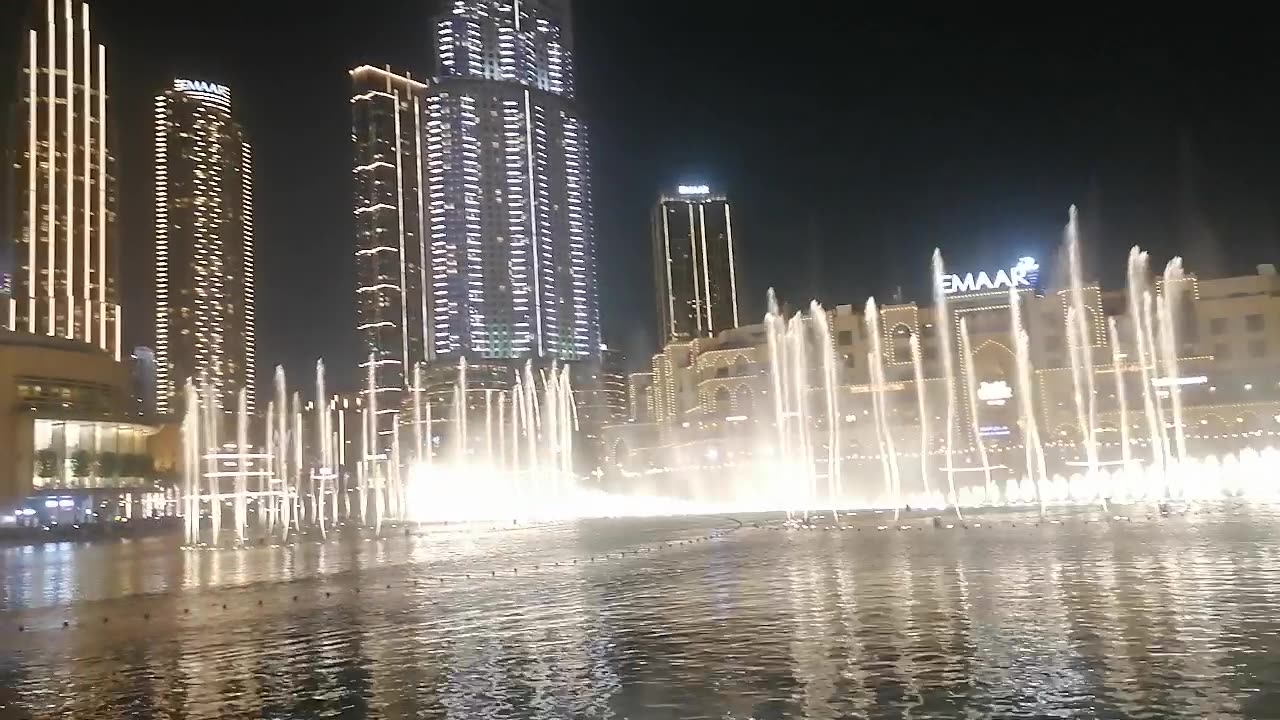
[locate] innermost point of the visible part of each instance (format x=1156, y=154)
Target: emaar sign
x=203, y=88
x=1024, y=274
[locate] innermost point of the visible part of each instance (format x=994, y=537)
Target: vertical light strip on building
x=250, y=274
x=88, y=168
x=404, y=300
x=103, y=277
x=70, y=273
x=693, y=258
x=163, y=388
x=32, y=125
x=428, y=351
x=671, y=289
x=533, y=217
x=51, y=187
x=706, y=264
x=733, y=270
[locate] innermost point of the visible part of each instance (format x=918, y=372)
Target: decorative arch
x=723, y=399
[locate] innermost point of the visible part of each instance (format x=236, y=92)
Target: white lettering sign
x=1019, y=276
x=200, y=86
x=693, y=190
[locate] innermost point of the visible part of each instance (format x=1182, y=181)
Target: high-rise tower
x=509, y=200
x=63, y=261
x=694, y=268
x=204, y=269
x=387, y=132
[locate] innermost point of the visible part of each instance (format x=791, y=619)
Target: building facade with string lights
x=509, y=197
x=393, y=266
x=204, y=247
x=63, y=264
x=707, y=405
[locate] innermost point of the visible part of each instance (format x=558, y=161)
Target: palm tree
x=81, y=463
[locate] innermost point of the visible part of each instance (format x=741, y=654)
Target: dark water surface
x=1158, y=617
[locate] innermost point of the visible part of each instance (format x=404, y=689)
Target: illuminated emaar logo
x=693, y=190
x=204, y=88
x=1024, y=274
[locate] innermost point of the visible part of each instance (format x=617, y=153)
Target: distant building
x=512, y=251
x=64, y=268
x=695, y=270
x=204, y=274
x=393, y=270
x=600, y=393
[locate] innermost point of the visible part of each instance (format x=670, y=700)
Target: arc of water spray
x=772, y=321
x=1032, y=446
x=1149, y=338
x=944, y=317
x=1078, y=370
x=1083, y=332
x=1138, y=312
x=875, y=362
x=799, y=391
x=1173, y=277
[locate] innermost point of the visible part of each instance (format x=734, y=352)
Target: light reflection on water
x=1157, y=618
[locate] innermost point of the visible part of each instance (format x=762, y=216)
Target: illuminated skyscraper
x=694, y=268
x=204, y=246
x=63, y=276
x=393, y=308
x=509, y=201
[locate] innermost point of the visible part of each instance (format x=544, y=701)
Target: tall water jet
x=1149, y=333
x=322, y=475
x=889, y=456
x=1083, y=334
x=281, y=420
x=971, y=391
x=774, y=329
x=1126, y=453
x=241, y=500
x=799, y=392
x=297, y=465
x=1173, y=277
x=460, y=411
x=191, y=463
x=213, y=474
x=1033, y=448
x=948, y=364
x=830, y=382
x=917, y=367
x=1140, y=320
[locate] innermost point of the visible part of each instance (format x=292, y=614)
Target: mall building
x=707, y=405
x=71, y=450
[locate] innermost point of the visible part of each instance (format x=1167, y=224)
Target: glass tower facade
x=694, y=266
x=63, y=262
x=512, y=267
x=204, y=247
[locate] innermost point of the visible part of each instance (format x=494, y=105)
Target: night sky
x=851, y=145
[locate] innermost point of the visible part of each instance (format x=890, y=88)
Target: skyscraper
x=387, y=133
x=694, y=268
x=204, y=246
x=63, y=275
x=509, y=201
